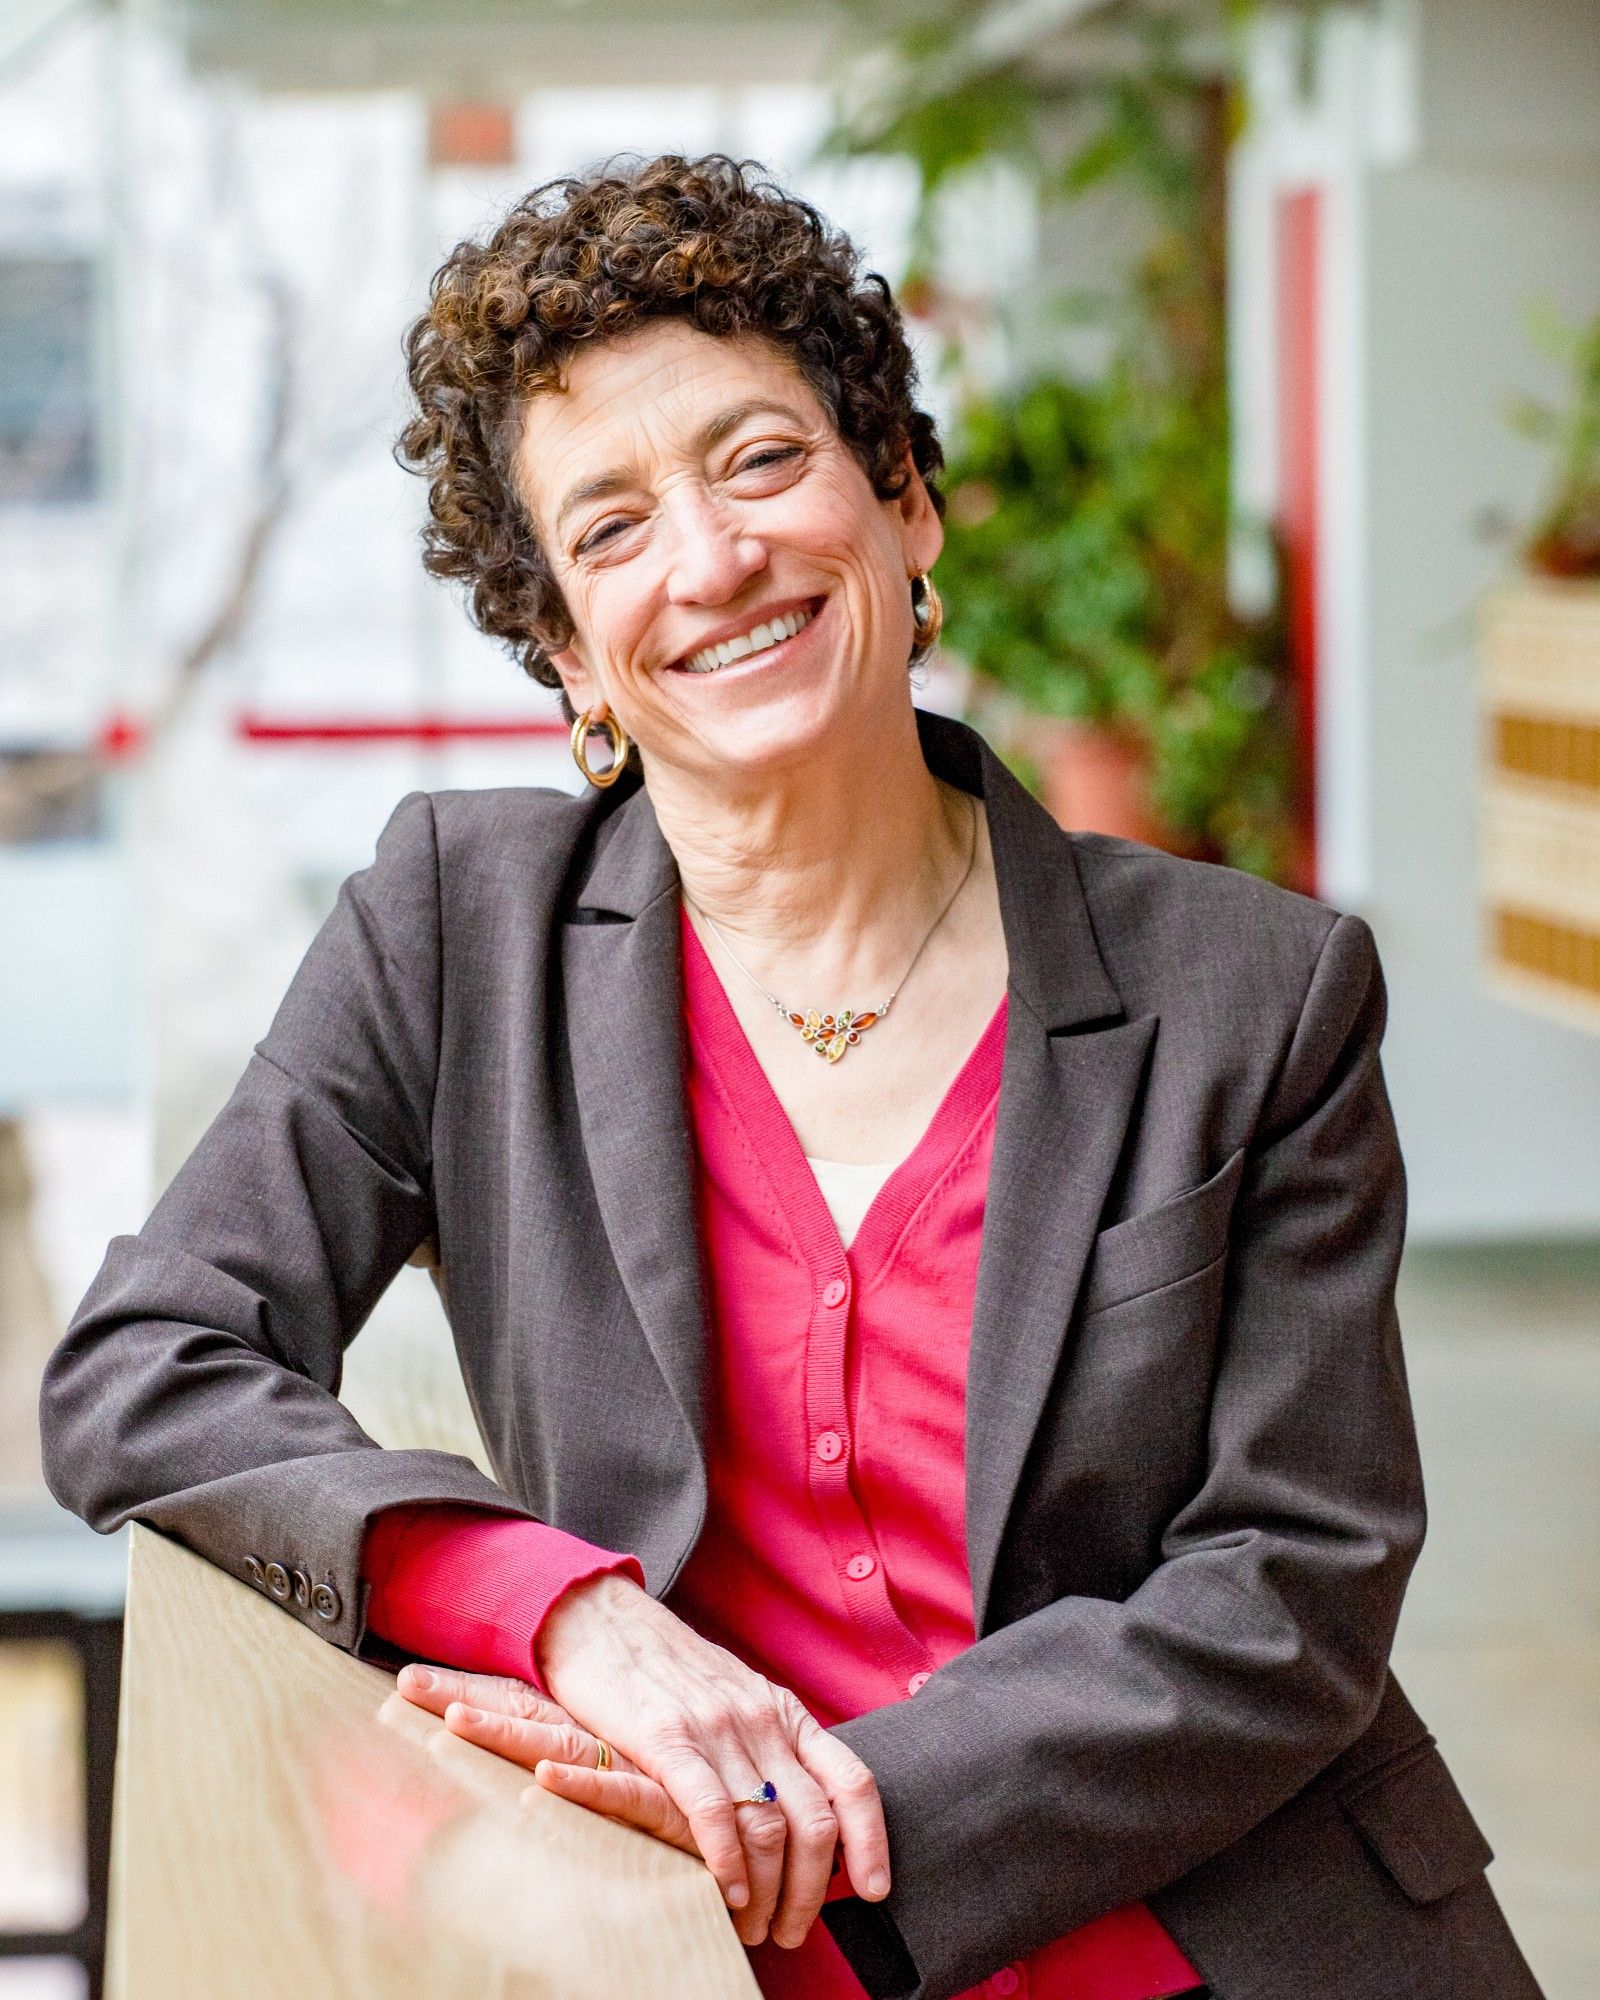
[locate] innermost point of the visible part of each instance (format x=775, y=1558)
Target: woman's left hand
x=516, y=1722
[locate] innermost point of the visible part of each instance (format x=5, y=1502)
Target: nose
x=711, y=553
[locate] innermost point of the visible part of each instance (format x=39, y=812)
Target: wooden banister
x=287, y=1827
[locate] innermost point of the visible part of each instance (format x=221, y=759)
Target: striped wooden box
x=1541, y=796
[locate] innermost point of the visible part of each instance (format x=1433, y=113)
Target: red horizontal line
x=397, y=729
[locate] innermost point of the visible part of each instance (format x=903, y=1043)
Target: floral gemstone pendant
x=831, y=1034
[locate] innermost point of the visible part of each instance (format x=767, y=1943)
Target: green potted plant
x=1565, y=541
x=1086, y=556
x=1083, y=571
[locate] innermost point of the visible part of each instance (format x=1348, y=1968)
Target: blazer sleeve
x=195, y=1387
x=1092, y=1752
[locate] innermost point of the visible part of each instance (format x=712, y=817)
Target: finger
x=524, y=1743
x=764, y=1836
x=702, y=1798
x=563, y=1740
x=852, y=1792
x=629, y=1798
x=813, y=1835
x=434, y=1688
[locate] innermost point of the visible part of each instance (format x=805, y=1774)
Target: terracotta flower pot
x=1097, y=781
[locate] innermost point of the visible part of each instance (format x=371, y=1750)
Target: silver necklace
x=830, y=1034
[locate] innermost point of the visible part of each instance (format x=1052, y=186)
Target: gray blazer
x=1193, y=1496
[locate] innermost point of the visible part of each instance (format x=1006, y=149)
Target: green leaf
x=1096, y=162
x=1533, y=419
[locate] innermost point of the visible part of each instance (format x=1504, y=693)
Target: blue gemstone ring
x=764, y=1795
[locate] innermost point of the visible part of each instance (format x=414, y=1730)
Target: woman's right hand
x=525, y=1727
x=709, y=1730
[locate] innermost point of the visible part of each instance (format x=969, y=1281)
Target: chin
x=766, y=723
x=775, y=734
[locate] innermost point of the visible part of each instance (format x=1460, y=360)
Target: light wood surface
x=1540, y=821
x=288, y=1828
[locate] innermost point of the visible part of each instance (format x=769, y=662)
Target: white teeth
x=756, y=640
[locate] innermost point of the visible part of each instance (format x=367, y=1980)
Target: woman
x=925, y=1281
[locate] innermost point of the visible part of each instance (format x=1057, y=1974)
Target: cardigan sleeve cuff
x=468, y=1588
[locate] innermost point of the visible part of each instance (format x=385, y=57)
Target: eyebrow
x=621, y=477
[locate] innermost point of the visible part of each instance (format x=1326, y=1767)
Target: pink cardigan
x=833, y=1557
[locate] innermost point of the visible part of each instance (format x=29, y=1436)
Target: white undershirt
x=849, y=1191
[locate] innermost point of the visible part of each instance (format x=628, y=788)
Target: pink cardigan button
x=859, y=1568
x=833, y=1292
x=830, y=1447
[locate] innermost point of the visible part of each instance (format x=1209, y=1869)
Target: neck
x=826, y=875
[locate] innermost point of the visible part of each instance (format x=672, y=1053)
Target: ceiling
x=504, y=48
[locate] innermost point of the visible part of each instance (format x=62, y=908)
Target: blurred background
x=1266, y=344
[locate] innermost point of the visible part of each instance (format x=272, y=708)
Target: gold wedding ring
x=602, y=1754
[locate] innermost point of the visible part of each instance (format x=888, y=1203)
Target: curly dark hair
x=714, y=241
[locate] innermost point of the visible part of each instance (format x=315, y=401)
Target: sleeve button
x=278, y=1584
x=325, y=1601
x=302, y=1587
x=254, y=1570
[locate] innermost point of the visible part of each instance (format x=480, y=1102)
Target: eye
x=598, y=537
x=772, y=455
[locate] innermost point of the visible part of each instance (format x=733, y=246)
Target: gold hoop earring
x=621, y=745
x=927, y=610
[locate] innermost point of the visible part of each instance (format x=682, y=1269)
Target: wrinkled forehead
x=650, y=401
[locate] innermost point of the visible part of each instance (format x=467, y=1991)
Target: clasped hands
x=692, y=1732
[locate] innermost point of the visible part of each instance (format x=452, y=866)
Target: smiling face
x=738, y=592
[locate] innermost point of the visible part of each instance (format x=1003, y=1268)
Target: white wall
x=1457, y=145
x=1499, y=1109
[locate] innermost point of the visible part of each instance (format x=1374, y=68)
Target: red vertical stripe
x=1299, y=369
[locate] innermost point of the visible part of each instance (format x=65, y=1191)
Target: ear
x=582, y=689
x=921, y=530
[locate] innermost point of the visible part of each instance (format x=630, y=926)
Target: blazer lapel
x=1072, y=1073
x=1064, y=1106
x=622, y=974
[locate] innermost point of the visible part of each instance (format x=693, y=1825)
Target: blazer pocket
x=1163, y=1245
x=1413, y=1818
